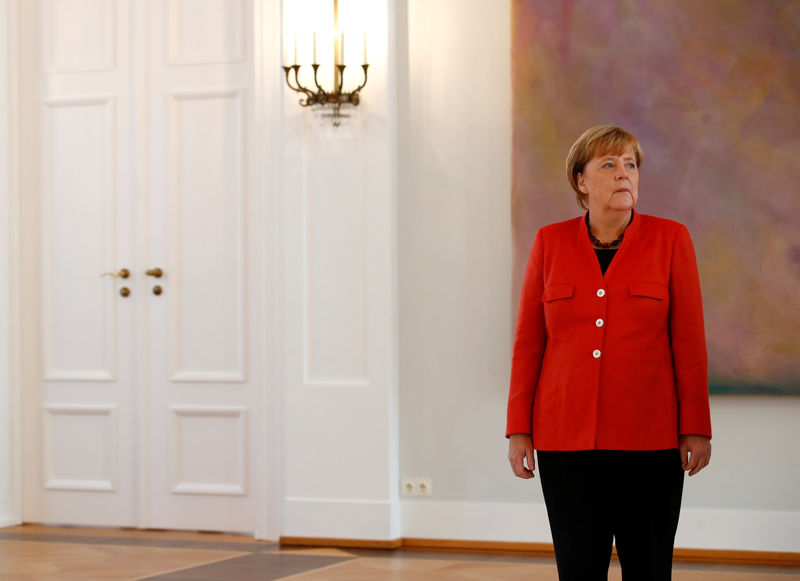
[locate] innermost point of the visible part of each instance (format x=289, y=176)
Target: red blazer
x=614, y=362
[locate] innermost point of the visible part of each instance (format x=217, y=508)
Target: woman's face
x=611, y=182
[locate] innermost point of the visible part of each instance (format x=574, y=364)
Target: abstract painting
x=712, y=90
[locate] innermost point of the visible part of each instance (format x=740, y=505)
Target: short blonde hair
x=594, y=142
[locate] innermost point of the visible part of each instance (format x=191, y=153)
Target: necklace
x=596, y=242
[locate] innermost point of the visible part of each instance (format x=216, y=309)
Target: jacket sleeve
x=687, y=336
x=529, y=344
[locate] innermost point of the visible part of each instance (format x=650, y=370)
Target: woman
x=609, y=373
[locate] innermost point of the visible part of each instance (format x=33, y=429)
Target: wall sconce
x=334, y=97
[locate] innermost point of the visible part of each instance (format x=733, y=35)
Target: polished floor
x=33, y=553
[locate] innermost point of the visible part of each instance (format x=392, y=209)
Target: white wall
x=455, y=246
x=455, y=317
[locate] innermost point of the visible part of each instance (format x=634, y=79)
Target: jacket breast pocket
x=559, y=308
x=648, y=303
x=555, y=292
x=650, y=290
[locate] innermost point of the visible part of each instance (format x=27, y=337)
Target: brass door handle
x=156, y=272
x=124, y=273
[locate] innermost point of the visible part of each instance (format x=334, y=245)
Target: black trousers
x=596, y=497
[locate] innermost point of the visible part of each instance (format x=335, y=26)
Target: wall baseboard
x=779, y=558
x=341, y=543
x=9, y=521
x=541, y=549
x=488, y=547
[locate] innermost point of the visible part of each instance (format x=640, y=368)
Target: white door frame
x=10, y=410
x=269, y=106
x=268, y=99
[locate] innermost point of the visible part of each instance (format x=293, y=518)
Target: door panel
x=78, y=35
x=207, y=140
x=79, y=372
x=206, y=31
x=79, y=312
x=203, y=381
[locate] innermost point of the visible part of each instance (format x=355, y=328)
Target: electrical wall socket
x=416, y=487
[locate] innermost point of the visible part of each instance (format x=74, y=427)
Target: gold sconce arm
x=297, y=87
x=365, y=66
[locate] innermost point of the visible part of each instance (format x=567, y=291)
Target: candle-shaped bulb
x=315, y=49
x=341, y=49
x=365, y=48
x=295, y=49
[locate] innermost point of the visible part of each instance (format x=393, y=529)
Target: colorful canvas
x=712, y=90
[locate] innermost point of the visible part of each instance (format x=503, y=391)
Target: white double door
x=143, y=395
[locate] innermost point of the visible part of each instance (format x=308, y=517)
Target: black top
x=604, y=256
